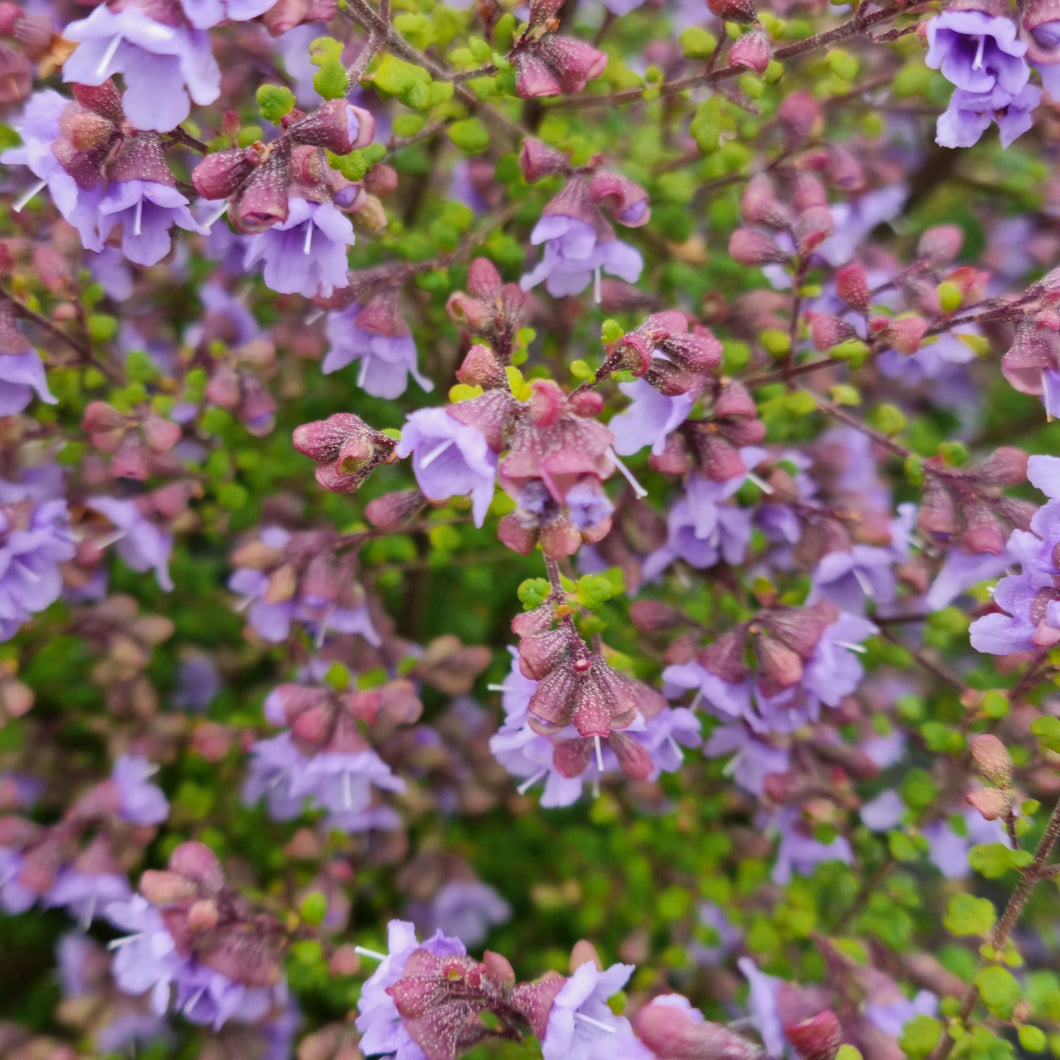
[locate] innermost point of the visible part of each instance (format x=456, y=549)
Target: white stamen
x=116, y=944
x=109, y=539
x=638, y=490
x=990, y=590
x=194, y=999
x=138, y=217
x=313, y=316
x=859, y=648
x=216, y=216
x=101, y=70
x=863, y=582
x=596, y=786
x=496, y=688
x=90, y=911
x=29, y=573
x=308, y=238
x=434, y=454
x=599, y=753
x=977, y=63
x=277, y=780
x=363, y=373
x=598, y=293
x=530, y=782
x=764, y=486
x=695, y=699
x=374, y=954
x=347, y=794
x=595, y=1023
x=1046, y=397
x=675, y=747
x=322, y=632
x=22, y=202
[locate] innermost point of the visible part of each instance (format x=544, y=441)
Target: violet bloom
x=140, y=542
x=948, y=851
x=977, y=52
x=379, y=1023
x=203, y=14
x=307, y=252
x=574, y=256
x=969, y=115
x=450, y=459
x=82, y=893
x=21, y=372
x=466, y=910
x=386, y=360
x=962, y=570
x=342, y=785
x=753, y=758
x=581, y=1025
x=146, y=211
x=39, y=129
x=162, y=64
x=587, y=504
x=799, y=852
x=142, y=803
x=198, y=682
x=15, y=898
x=649, y=419
x=764, y=1007
x=34, y=540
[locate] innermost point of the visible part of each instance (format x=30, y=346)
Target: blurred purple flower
x=386, y=360
x=969, y=115
x=141, y=802
x=162, y=64
x=573, y=255
x=140, y=542
x=799, y=853
x=203, y=14
x=450, y=459
x=146, y=211
x=465, y=910
x=307, y=252
x=649, y=419
x=21, y=373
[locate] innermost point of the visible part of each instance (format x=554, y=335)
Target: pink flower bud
x=734, y=10
x=166, y=888
x=587, y=403
x=937, y=516
x=537, y=161
x=535, y=79
x=9, y=15
x=808, y=192
x=670, y=1032
x=760, y=205
x=321, y=440
x=812, y=227
x=940, y=245
x=844, y=169
x=748, y=247
x=483, y=279
x=131, y=458
x=633, y=757
x=520, y=539
x=222, y=173
x=752, y=50
x=650, y=616
x=202, y=915
x=141, y=158
x=992, y=759
x=903, y=333
x=818, y=1038
x=381, y=180
x=198, y=863
x=499, y=969
x=264, y=196
x=395, y=510
x=575, y=62
x=161, y=435
x=852, y=286
x=481, y=368
x=800, y=115
x=335, y=125
x=827, y=331
x=991, y=804
x=1005, y=467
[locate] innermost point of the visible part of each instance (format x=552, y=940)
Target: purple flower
x=948, y=849
x=754, y=758
x=892, y=1016
x=82, y=893
x=21, y=371
x=141, y=803
x=146, y=210
x=763, y=1004
x=466, y=910
x=39, y=130
x=307, y=252
x=574, y=255
x=381, y=1028
x=969, y=115
x=450, y=459
x=274, y=764
x=650, y=418
x=960, y=571
x=14, y=897
x=977, y=52
x=140, y=542
x=386, y=360
x=198, y=682
x=203, y=14
x=162, y=64
x=587, y=504
x=34, y=540
x=581, y=1025
x=799, y=852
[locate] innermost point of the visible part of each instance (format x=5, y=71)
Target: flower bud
x=818, y=1038
x=800, y=116
x=734, y=10
x=481, y=368
x=752, y=51
x=940, y=245
x=827, y=331
x=748, y=247
x=760, y=205
x=811, y=228
x=392, y=511
x=335, y=125
x=263, y=200
x=16, y=75
x=852, y=286
x=222, y=173
x=538, y=161
x=992, y=759
x=991, y=804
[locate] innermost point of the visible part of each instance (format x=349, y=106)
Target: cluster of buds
x=665, y=354
x=577, y=687
x=548, y=64
x=284, y=15
x=965, y=506
x=138, y=443
x=345, y=449
x=559, y=456
x=33, y=34
x=489, y=309
x=259, y=181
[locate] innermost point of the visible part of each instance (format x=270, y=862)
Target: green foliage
x=274, y=102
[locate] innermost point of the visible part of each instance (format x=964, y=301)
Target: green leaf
x=890, y=419
x=470, y=135
x=968, y=915
x=314, y=908
x=999, y=989
x=274, y=102
x=1031, y=1038
x=331, y=81
x=993, y=860
x=697, y=43
x=533, y=593
x=594, y=590
x=1047, y=731
x=919, y=1036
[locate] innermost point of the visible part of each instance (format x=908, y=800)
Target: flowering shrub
x=668, y=673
